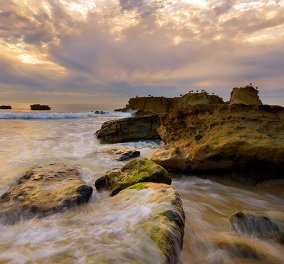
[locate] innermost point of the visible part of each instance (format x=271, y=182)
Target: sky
x=106, y=51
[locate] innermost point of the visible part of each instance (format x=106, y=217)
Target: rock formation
x=247, y=95
x=43, y=191
x=129, y=129
x=163, y=104
x=240, y=138
x=39, y=107
x=134, y=172
x=5, y=107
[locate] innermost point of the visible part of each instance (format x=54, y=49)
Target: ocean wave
x=29, y=116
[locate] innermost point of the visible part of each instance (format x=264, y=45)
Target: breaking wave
x=59, y=115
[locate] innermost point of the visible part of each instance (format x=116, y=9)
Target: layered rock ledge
x=240, y=138
x=163, y=104
x=130, y=129
x=42, y=191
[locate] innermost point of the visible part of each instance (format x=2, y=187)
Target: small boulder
x=40, y=107
x=42, y=191
x=256, y=225
x=122, y=154
x=134, y=172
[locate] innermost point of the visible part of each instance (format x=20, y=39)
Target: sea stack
x=39, y=107
x=247, y=95
x=5, y=107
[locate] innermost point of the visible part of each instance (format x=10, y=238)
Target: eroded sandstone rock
x=240, y=138
x=162, y=104
x=42, y=191
x=247, y=95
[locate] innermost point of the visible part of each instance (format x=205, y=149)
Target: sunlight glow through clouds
x=141, y=46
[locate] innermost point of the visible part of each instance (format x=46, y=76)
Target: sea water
x=29, y=139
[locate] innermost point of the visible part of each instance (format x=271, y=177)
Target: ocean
x=66, y=134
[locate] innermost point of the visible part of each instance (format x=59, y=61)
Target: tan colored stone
x=42, y=191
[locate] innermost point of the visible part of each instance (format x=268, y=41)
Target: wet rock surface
x=42, y=191
x=255, y=225
x=129, y=129
x=136, y=171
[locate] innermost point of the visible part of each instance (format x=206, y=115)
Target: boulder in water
x=136, y=171
x=42, y=191
x=259, y=226
x=129, y=129
x=39, y=107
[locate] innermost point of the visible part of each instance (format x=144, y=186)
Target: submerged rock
x=5, y=107
x=136, y=171
x=248, y=140
x=39, y=107
x=42, y=191
x=122, y=154
x=239, y=249
x=129, y=129
x=259, y=226
x=245, y=95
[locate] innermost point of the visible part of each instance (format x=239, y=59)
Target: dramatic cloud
x=97, y=51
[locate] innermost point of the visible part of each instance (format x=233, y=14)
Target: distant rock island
x=39, y=107
x=5, y=107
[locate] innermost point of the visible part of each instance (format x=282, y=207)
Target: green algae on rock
x=42, y=191
x=136, y=171
x=165, y=225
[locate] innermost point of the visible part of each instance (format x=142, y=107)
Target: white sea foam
x=60, y=115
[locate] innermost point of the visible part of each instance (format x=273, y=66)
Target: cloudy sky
x=105, y=51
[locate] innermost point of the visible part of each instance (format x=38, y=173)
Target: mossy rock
x=136, y=171
x=166, y=225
